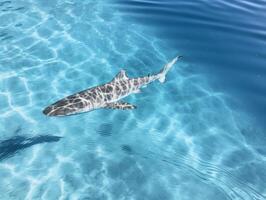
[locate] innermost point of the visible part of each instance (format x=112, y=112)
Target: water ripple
x=226, y=181
x=54, y=48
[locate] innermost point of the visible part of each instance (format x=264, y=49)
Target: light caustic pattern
x=182, y=142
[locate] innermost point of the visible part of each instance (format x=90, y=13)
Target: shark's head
x=56, y=111
x=65, y=107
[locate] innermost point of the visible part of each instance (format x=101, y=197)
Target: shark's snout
x=52, y=111
x=47, y=110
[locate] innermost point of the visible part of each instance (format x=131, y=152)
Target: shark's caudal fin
x=167, y=67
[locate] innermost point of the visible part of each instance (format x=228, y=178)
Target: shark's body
x=105, y=96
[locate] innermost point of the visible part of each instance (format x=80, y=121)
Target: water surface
x=198, y=136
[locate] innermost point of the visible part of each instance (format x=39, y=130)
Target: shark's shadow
x=10, y=147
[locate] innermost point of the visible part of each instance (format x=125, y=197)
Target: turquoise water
x=186, y=139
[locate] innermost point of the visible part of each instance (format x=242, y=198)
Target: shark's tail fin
x=166, y=68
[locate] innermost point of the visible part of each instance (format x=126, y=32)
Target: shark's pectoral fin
x=120, y=105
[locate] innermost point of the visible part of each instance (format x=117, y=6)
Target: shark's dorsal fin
x=120, y=105
x=121, y=75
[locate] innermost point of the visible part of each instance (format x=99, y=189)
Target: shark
x=107, y=95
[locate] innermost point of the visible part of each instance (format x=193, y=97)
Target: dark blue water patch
x=7, y=6
x=127, y=149
x=223, y=39
x=19, y=8
x=7, y=38
x=13, y=145
x=2, y=3
x=3, y=34
x=18, y=25
x=105, y=129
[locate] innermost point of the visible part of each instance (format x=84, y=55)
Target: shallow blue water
x=198, y=136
